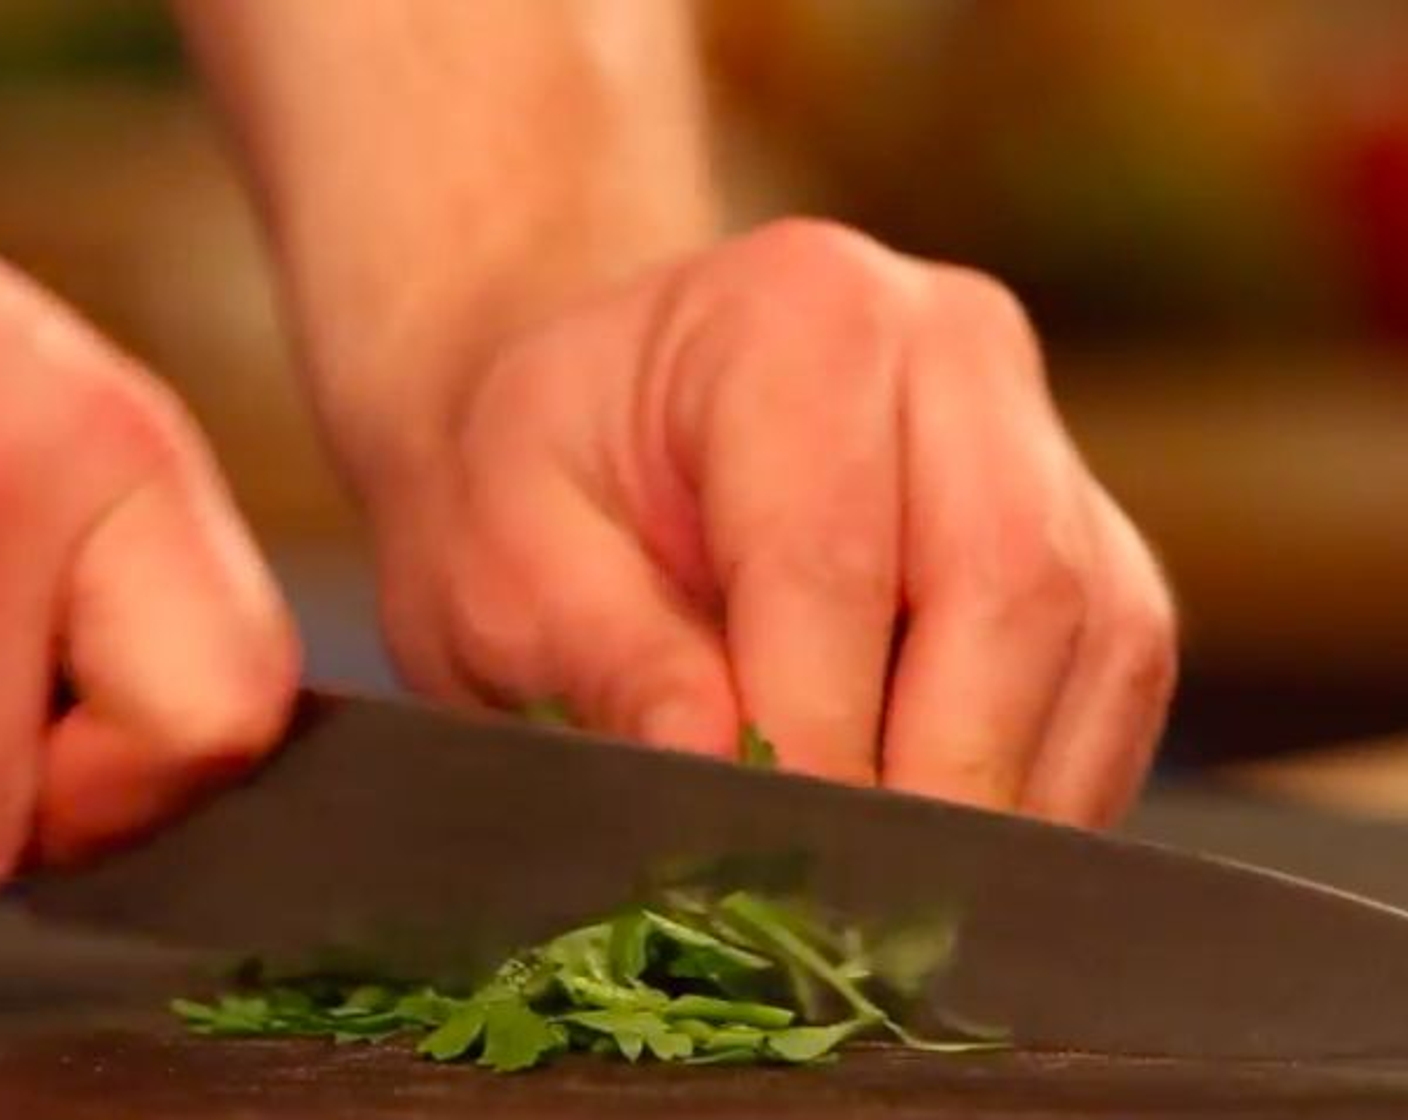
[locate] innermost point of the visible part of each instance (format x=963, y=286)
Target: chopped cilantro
x=517, y=1037
x=456, y=1034
x=756, y=751
x=696, y=978
x=552, y=711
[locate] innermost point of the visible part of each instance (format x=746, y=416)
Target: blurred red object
x=1373, y=176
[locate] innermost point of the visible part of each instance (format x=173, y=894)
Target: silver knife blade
x=413, y=833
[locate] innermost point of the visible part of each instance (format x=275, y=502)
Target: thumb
x=180, y=651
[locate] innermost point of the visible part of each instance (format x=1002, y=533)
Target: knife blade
x=411, y=833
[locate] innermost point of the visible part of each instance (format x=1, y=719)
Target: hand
x=798, y=480
x=125, y=570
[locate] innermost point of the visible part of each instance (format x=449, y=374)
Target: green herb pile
x=743, y=978
x=699, y=977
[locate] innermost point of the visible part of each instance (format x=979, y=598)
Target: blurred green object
x=62, y=40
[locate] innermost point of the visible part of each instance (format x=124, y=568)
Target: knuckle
x=827, y=273
x=849, y=567
x=132, y=421
x=66, y=445
x=36, y=324
x=115, y=424
x=1034, y=579
x=817, y=290
x=62, y=380
x=812, y=242
x=1146, y=637
x=981, y=305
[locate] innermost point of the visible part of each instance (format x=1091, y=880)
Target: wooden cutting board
x=162, y=1075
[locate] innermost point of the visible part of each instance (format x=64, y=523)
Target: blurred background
x=1204, y=203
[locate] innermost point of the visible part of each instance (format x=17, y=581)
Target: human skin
x=128, y=575
x=680, y=481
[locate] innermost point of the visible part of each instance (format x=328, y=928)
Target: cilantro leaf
x=191, y=1011
x=756, y=751
x=516, y=1037
x=583, y=952
x=456, y=1035
x=552, y=711
x=628, y=946
x=669, y=1046
x=634, y=1031
x=807, y=1044
x=906, y=956
x=586, y=992
x=367, y=997
x=427, y=1008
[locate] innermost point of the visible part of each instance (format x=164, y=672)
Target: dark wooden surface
x=162, y=1075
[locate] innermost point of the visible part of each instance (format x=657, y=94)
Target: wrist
x=391, y=349
x=435, y=177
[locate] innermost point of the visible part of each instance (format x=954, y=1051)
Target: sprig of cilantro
x=755, y=750
x=694, y=978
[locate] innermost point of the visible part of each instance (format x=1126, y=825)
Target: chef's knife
x=407, y=833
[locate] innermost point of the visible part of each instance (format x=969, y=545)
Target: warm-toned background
x=1205, y=203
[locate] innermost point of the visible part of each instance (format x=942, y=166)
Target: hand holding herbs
x=738, y=979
